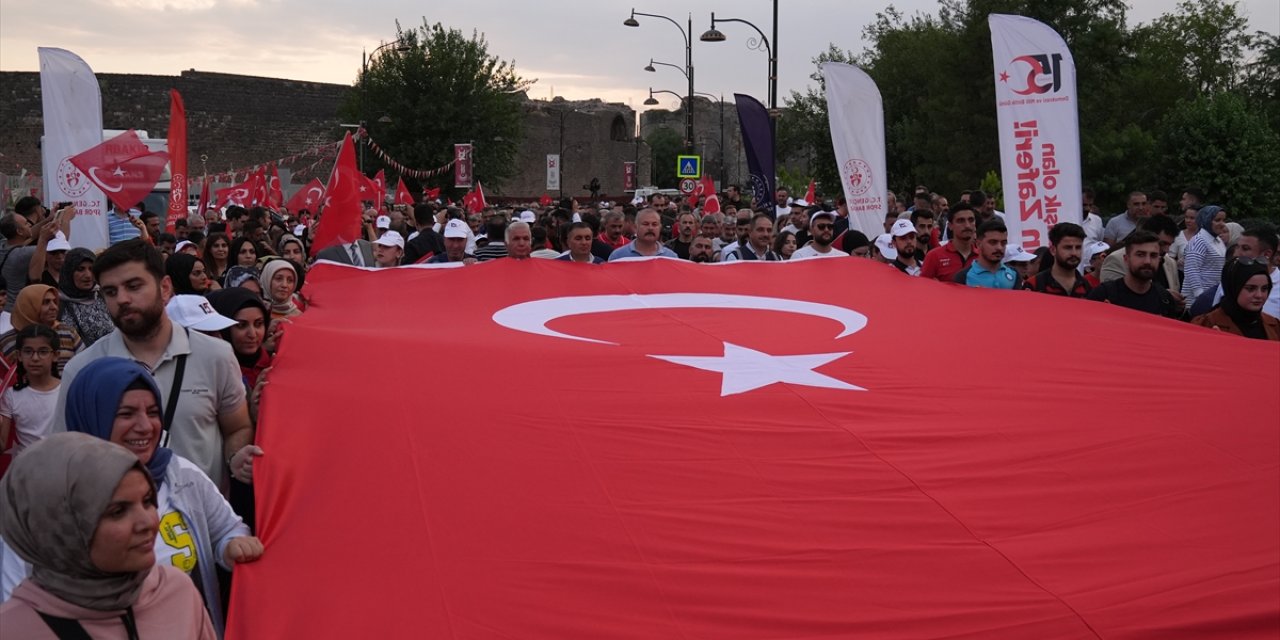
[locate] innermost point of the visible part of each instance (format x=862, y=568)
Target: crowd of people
x=133, y=375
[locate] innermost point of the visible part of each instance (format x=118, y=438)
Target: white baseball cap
x=299, y=230
x=528, y=216
x=391, y=239
x=455, y=229
x=58, y=243
x=1015, y=253
x=902, y=228
x=195, y=312
x=382, y=222
x=183, y=245
x=799, y=202
x=822, y=214
x=884, y=244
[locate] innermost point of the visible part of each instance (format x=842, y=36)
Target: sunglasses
x=820, y=227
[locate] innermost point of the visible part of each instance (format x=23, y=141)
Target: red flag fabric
x=275, y=196
x=431, y=194
x=308, y=197
x=474, y=200
x=380, y=181
x=812, y=192
x=123, y=167
x=715, y=478
x=340, y=219
x=706, y=187
x=204, y=195
x=260, y=190
x=545, y=200
x=177, y=161
x=402, y=193
x=711, y=204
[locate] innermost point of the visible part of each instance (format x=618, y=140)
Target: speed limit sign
x=688, y=185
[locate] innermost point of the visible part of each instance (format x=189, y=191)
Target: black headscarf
x=179, y=267
x=67, y=279
x=229, y=302
x=1234, y=277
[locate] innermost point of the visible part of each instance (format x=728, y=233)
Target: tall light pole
x=688, y=67
x=401, y=47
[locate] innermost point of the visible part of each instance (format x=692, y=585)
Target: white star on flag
x=746, y=369
x=118, y=172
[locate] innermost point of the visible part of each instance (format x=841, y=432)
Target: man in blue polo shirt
x=987, y=271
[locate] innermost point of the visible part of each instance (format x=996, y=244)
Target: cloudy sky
x=574, y=48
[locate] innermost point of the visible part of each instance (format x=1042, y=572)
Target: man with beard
x=822, y=223
x=904, y=242
x=1136, y=290
x=578, y=239
x=710, y=227
x=614, y=223
x=759, y=241
x=742, y=230
x=702, y=250
x=686, y=226
x=206, y=418
x=648, y=231
x=1166, y=231
x=988, y=271
x=945, y=262
x=1066, y=245
x=782, y=204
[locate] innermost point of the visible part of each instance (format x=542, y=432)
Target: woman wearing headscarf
x=291, y=248
x=97, y=577
x=1206, y=253
x=38, y=304
x=249, y=333
x=1246, y=283
x=280, y=281
x=188, y=275
x=117, y=400
x=243, y=277
x=81, y=307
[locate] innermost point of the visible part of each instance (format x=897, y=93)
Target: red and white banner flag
x=177, y=161
x=628, y=175
x=307, y=198
x=474, y=200
x=857, y=133
x=713, y=480
x=380, y=198
x=340, y=218
x=275, y=195
x=402, y=193
x=123, y=167
x=71, y=107
x=462, y=176
x=1036, y=107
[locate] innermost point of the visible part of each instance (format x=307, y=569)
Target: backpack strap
x=65, y=628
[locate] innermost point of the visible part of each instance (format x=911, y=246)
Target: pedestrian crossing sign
x=689, y=167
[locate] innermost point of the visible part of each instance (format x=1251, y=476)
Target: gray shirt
x=212, y=386
x=1118, y=228
x=16, y=263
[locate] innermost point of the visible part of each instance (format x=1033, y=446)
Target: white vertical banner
x=856, y=112
x=72, y=110
x=1036, y=98
x=553, y=172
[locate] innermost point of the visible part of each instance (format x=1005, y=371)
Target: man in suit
x=358, y=253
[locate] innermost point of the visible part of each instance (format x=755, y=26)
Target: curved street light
x=687, y=34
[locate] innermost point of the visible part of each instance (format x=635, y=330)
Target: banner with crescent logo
x=177, y=161
x=1036, y=107
x=71, y=105
x=856, y=114
x=123, y=167
x=635, y=450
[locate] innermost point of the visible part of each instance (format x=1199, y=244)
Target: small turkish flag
x=380, y=195
x=474, y=200
x=811, y=193
x=431, y=194
x=204, y=196
x=258, y=184
x=545, y=200
x=307, y=198
x=402, y=194
x=340, y=223
x=123, y=167
x=275, y=196
x=711, y=205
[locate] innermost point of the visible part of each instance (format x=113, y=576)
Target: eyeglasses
x=1249, y=262
x=820, y=227
x=31, y=353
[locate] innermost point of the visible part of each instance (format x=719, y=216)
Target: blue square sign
x=689, y=167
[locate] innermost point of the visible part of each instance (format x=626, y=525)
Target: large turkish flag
x=819, y=449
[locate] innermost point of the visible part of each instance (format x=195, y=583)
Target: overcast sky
x=574, y=48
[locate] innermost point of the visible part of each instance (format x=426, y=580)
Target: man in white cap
x=195, y=313
x=1018, y=259
x=822, y=224
x=908, y=259
x=382, y=223
x=882, y=249
x=388, y=249
x=47, y=269
x=455, y=244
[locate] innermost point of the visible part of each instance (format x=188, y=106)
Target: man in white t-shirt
x=822, y=225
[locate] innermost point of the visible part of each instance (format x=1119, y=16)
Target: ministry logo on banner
x=1035, y=78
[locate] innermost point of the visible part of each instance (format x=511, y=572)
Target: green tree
x=665, y=144
x=437, y=89
x=1229, y=150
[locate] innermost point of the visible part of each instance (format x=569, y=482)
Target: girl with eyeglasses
x=26, y=410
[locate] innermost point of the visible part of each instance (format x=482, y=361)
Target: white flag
x=72, y=123
x=553, y=172
x=856, y=112
x=1036, y=98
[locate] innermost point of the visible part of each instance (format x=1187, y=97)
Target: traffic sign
x=689, y=167
x=688, y=185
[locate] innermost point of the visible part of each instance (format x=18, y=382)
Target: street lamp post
x=688, y=67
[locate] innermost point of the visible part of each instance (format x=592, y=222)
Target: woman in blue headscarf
x=116, y=399
x=1206, y=253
